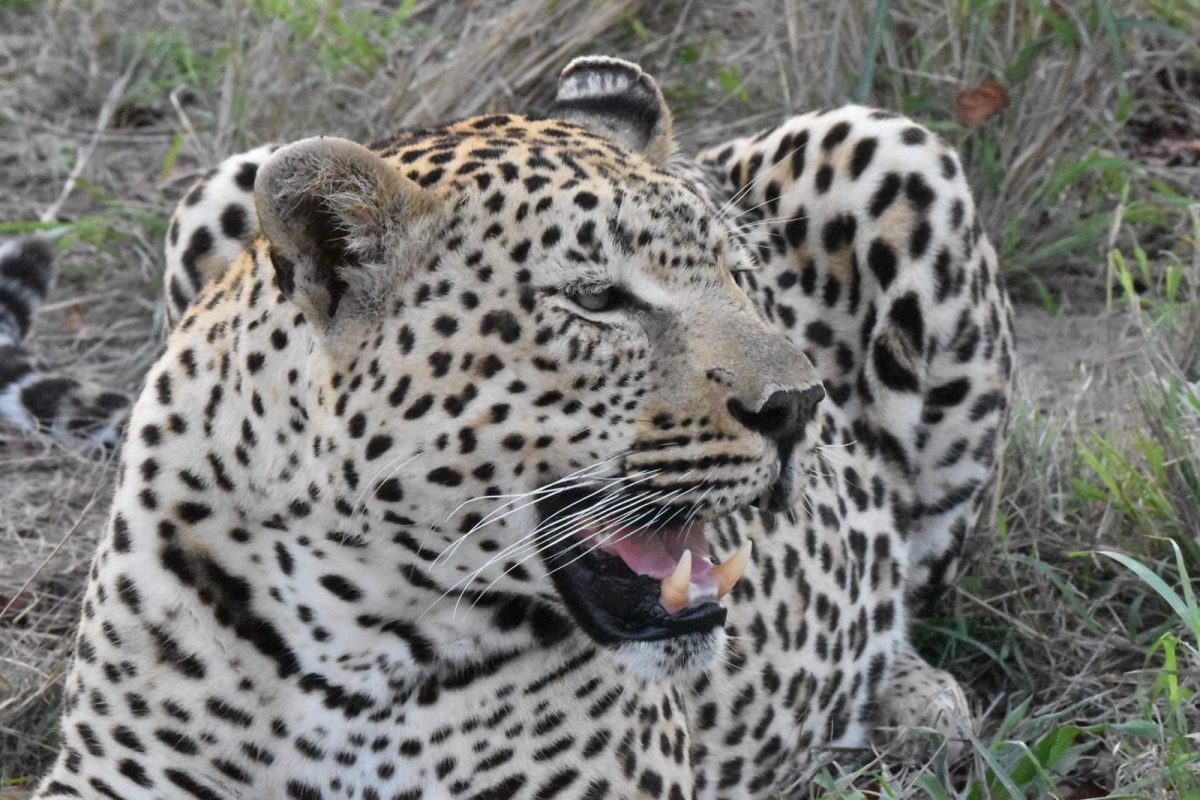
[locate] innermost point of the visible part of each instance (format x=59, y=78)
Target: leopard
x=520, y=456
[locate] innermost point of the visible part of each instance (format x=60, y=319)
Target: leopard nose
x=782, y=416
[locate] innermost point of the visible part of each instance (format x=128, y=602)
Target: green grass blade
x=863, y=90
x=1189, y=616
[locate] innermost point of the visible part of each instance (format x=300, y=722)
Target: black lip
x=611, y=602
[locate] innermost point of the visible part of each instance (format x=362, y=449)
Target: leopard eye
x=603, y=298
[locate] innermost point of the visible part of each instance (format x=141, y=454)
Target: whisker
x=740, y=193
x=537, y=531
x=537, y=493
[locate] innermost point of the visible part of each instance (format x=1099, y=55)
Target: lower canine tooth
x=732, y=570
x=675, y=586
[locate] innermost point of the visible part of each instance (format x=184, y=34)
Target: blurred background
x=1075, y=626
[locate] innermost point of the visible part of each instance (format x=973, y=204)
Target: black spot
x=838, y=232
x=132, y=770
x=919, y=242
x=957, y=212
x=283, y=557
x=389, y=491
x=836, y=135
x=341, y=587
x=419, y=407
x=986, y=403
x=913, y=136
x=245, y=176
x=521, y=251
x=586, y=234
x=234, y=222
x=431, y=177
x=190, y=785
x=586, y=200
x=378, y=446
x=192, y=513
x=819, y=333
x=177, y=741
x=297, y=790
x=490, y=365
x=824, y=178
x=120, y=529
x=864, y=151
x=918, y=191
x=891, y=372
x=949, y=168
x=162, y=386
x=405, y=339
x=503, y=323
x=199, y=245
x=888, y=189
x=796, y=229
x=90, y=740
x=949, y=394
x=906, y=315
x=230, y=713
x=881, y=258
x=441, y=362
x=399, y=391
x=445, y=476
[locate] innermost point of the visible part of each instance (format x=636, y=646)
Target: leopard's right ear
x=328, y=206
x=615, y=99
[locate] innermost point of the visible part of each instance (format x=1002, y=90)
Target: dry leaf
x=976, y=106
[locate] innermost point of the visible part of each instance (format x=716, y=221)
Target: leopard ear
x=327, y=206
x=614, y=98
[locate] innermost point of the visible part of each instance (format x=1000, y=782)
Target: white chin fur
x=670, y=659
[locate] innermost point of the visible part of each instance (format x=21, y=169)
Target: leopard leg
x=919, y=708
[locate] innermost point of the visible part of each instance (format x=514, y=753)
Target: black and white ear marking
x=327, y=206
x=614, y=98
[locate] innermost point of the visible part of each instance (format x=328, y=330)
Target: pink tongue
x=656, y=554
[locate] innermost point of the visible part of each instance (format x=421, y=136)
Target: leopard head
x=541, y=382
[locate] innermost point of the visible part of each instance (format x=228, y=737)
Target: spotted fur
x=210, y=228
x=33, y=396
x=312, y=584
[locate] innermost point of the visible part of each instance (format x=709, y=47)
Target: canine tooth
x=732, y=570
x=675, y=586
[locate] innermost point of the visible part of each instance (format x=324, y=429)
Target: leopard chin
x=668, y=660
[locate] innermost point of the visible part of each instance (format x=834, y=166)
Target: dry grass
x=109, y=108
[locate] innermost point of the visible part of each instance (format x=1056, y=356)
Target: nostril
x=784, y=414
x=808, y=401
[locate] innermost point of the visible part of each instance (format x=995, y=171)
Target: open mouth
x=643, y=580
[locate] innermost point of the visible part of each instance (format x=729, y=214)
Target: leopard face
x=538, y=360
